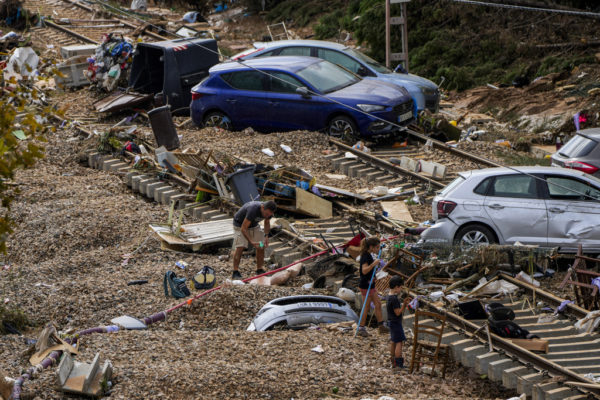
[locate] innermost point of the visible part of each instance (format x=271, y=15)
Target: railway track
x=411, y=167
x=69, y=22
x=558, y=374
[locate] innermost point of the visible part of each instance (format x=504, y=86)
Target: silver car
x=582, y=152
x=424, y=92
x=297, y=312
x=544, y=206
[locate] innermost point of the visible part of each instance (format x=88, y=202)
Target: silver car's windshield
x=327, y=77
x=368, y=60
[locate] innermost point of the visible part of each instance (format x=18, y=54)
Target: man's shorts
x=396, y=332
x=256, y=234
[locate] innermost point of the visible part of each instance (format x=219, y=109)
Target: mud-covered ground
x=74, y=224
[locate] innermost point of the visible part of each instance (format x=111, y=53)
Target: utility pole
x=400, y=20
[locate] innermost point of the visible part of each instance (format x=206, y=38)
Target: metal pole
x=405, y=36
x=387, y=33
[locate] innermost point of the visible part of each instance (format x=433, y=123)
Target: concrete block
x=290, y=258
x=198, y=211
x=511, y=375
x=336, y=161
x=144, y=185
x=219, y=217
x=179, y=200
x=344, y=166
x=525, y=382
x=91, y=157
x=165, y=197
x=123, y=170
x=538, y=391
x=495, y=368
x=109, y=162
x=153, y=186
x=207, y=215
x=136, y=180
x=354, y=170
x=115, y=167
x=159, y=191
x=458, y=346
x=467, y=356
x=483, y=360
x=129, y=176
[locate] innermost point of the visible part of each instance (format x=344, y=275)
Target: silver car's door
x=573, y=213
x=517, y=210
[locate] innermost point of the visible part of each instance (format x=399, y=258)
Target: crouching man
x=246, y=231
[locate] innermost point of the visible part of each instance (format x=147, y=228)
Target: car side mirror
x=400, y=69
x=303, y=91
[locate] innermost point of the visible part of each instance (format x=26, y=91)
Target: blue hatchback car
x=425, y=93
x=299, y=93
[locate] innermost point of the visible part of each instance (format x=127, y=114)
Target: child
x=394, y=312
x=367, y=263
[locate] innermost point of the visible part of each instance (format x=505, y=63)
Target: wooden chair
x=429, y=352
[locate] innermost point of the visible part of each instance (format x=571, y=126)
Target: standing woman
x=367, y=263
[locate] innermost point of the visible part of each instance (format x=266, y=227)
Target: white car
x=544, y=206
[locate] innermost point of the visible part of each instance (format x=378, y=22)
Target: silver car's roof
x=526, y=170
x=313, y=43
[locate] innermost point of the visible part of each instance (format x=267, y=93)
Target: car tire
x=217, y=119
x=343, y=128
x=474, y=235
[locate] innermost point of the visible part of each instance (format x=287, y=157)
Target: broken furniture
x=585, y=282
x=172, y=67
x=194, y=236
x=83, y=378
x=428, y=348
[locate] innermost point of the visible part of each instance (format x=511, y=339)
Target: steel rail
x=386, y=165
x=574, y=309
x=524, y=355
x=443, y=146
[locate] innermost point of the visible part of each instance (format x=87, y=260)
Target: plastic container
x=163, y=127
x=243, y=185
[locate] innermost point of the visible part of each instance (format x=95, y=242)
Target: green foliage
x=300, y=13
x=467, y=45
x=14, y=317
x=21, y=109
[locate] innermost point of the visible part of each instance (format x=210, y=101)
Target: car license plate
x=405, y=116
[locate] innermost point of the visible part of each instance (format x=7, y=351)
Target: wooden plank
x=341, y=192
x=397, y=210
x=313, y=205
x=531, y=344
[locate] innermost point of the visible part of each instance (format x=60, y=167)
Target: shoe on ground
x=236, y=275
x=383, y=329
x=362, y=331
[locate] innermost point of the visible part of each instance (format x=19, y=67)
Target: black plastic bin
x=172, y=67
x=163, y=127
x=243, y=185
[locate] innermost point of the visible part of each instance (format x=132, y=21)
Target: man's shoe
x=362, y=331
x=383, y=329
x=236, y=275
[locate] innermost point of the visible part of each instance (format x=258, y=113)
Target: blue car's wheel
x=343, y=128
x=218, y=120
